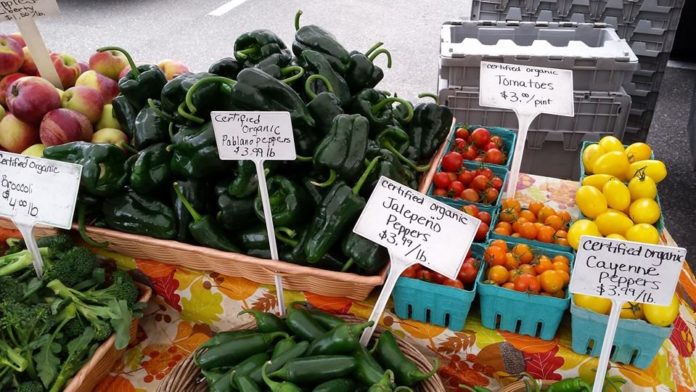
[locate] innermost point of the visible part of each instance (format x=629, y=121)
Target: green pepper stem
x=330, y=181
x=280, y=236
x=83, y=233
x=127, y=147
x=308, y=85
x=194, y=214
x=133, y=68
x=297, y=19
x=356, y=329
x=274, y=385
x=243, y=54
x=387, y=101
x=299, y=71
x=203, y=82
x=430, y=95
x=188, y=116
x=301, y=158
x=403, y=388
x=348, y=264
x=151, y=103
x=378, y=52
x=170, y=130
x=373, y=48
x=387, y=144
x=365, y=175
x=424, y=376
x=287, y=231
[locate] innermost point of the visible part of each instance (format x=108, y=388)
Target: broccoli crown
x=73, y=328
x=11, y=290
x=58, y=243
x=123, y=287
x=30, y=386
x=72, y=266
x=24, y=322
x=102, y=330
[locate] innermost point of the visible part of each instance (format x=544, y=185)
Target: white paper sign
x=21, y=9
x=35, y=190
x=417, y=227
x=254, y=135
x=626, y=271
x=527, y=89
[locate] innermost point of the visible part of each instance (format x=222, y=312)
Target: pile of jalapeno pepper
x=308, y=350
x=169, y=182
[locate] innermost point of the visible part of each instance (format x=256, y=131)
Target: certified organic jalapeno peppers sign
x=528, y=91
x=415, y=229
x=258, y=137
x=35, y=190
x=624, y=271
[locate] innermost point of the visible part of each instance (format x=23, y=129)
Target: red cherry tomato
x=479, y=183
x=489, y=146
x=453, y=283
x=481, y=232
x=481, y=137
x=485, y=171
x=441, y=180
x=467, y=274
x=470, y=153
x=494, y=156
x=470, y=195
x=497, y=182
x=440, y=192
x=452, y=161
x=498, y=141
x=471, y=210
x=412, y=271
x=465, y=176
x=490, y=195
x=455, y=188
x=459, y=144
x=485, y=217
x=462, y=133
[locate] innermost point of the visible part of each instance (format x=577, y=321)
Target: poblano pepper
x=289, y=202
x=254, y=46
x=204, y=229
x=367, y=255
x=125, y=113
x=391, y=167
x=141, y=82
x=195, y=153
x=279, y=66
x=376, y=107
x=236, y=213
x=103, y=165
x=362, y=73
x=323, y=107
x=316, y=64
x=208, y=94
x=340, y=207
x=150, y=128
x=150, y=168
x=174, y=92
x=130, y=212
x=343, y=148
x=196, y=192
x=257, y=237
x=245, y=182
x=396, y=140
x=315, y=38
x=228, y=67
x=429, y=127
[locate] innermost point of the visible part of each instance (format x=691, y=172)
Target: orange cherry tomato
x=551, y=282
x=545, y=212
x=561, y=266
x=528, y=215
x=565, y=215
x=523, y=252
x=516, y=224
x=543, y=264
x=505, y=225
x=512, y=203
x=494, y=256
x=509, y=285
x=498, y=274
x=502, y=231
x=565, y=275
x=527, y=284
x=528, y=230
x=535, y=207
x=561, y=234
x=500, y=244
x=545, y=234
x=527, y=269
x=508, y=215
x=515, y=235
x=554, y=221
x=562, y=241
x=511, y=262
x=561, y=258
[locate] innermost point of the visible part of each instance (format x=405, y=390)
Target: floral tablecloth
x=192, y=305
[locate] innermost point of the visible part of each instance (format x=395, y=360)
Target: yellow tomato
x=614, y=163
x=590, y=201
x=613, y=222
x=617, y=237
x=632, y=310
x=596, y=304
x=580, y=228
x=653, y=168
x=590, y=155
x=644, y=211
x=597, y=180
x=660, y=315
x=617, y=194
x=642, y=232
x=611, y=143
x=638, y=152
x=642, y=187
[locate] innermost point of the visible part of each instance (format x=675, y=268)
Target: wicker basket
x=186, y=377
x=104, y=358
x=519, y=386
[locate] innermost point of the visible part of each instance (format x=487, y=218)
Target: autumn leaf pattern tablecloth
x=192, y=305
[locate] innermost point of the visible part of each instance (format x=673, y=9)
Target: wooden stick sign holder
x=528, y=91
x=415, y=229
x=258, y=137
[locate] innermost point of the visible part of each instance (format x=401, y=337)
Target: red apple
x=85, y=100
x=84, y=67
x=124, y=72
x=108, y=63
x=67, y=67
x=17, y=36
x=11, y=55
x=107, y=87
x=30, y=97
x=86, y=128
x=17, y=135
x=107, y=120
x=172, y=68
x=111, y=136
x=5, y=82
x=29, y=66
x=62, y=126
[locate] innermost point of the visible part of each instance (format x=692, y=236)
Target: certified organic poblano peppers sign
x=254, y=135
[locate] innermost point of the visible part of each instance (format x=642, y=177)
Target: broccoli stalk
x=47, y=363
x=77, y=351
x=14, y=262
x=23, y=324
x=11, y=358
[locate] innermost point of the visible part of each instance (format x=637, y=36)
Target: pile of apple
x=35, y=114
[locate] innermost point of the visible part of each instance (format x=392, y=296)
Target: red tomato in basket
x=481, y=137
x=452, y=161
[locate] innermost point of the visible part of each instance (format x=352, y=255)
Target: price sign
x=624, y=271
x=627, y=271
x=415, y=229
x=254, y=135
x=528, y=91
x=22, y=9
x=35, y=190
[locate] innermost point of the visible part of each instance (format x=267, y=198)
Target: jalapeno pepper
x=275, y=386
x=141, y=82
x=266, y=322
x=389, y=355
x=236, y=350
x=246, y=384
x=367, y=370
x=283, y=345
x=338, y=341
x=326, y=320
x=570, y=385
x=228, y=381
x=226, y=336
x=279, y=360
x=336, y=385
x=204, y=229
x=316, y=369
x=302, y=324
x=385, y=383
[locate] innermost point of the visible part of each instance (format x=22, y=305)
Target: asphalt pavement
x=153, y=30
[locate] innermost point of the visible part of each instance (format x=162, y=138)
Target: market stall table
x=192, y=305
